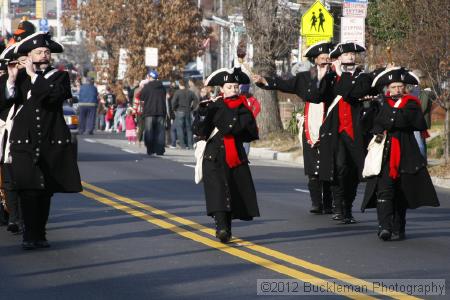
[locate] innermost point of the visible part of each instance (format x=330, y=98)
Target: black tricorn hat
x=318, y=48
x=37, y=40
x=225, y=75
x=8, y=53
x=345, y=48
x=396, y=74
x=6, y=56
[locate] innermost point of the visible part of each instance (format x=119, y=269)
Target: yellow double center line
x=237, y=245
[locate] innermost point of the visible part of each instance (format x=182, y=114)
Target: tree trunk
x=269, y=119
x=447, y=133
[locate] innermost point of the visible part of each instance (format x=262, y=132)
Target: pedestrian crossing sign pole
x=317, y=24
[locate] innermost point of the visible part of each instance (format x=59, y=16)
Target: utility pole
x=58, y=20
x=222, y=54
x=5, y=11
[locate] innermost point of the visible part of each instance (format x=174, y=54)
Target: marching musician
x=303, y=85
x=404, y=181
x=39, y=146
x=226, y=123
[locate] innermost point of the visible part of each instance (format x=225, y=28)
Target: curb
x=266, y=153
x=441, y=182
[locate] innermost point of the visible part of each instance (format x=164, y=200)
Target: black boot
x=399, y=223
x=385, y=217
x=315, y=191
x=327, y=198
x=384, y=234
x=338, y=214
x=223, y=226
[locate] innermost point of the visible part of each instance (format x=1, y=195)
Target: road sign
x=122, y=69
x=39, y=9
x=353, y=30
x=43, y=25
x=354, y=9
x=317, y=21
x=151, y=57
x=311, y=40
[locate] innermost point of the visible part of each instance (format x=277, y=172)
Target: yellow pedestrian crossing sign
x=317, y=21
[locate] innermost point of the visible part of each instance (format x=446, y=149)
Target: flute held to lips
x=38, y=63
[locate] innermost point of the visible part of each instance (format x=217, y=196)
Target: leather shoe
x=385, y=235
x=13, y=227
x=42, y=244
x=348, y=220
x=337, y=217
x=316, y=210
x=398, y=236
x=28, y=245
x=327, y=211
x=223, y=235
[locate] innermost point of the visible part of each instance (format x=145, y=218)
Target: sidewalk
x=267, y=153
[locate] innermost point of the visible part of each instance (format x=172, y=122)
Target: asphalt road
x=139, y=231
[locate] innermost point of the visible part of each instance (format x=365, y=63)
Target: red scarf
x=231, y=154
x=395, y=155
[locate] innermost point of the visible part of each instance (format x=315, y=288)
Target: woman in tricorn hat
x=403, y=181
x=226, y=122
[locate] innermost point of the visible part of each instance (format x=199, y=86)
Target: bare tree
x=172, y=26
x=420, y=41
x=273, y=31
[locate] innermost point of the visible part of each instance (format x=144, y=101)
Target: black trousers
x=155, y=135
x=346, y=183
x=35, y=206
x=12, y=197
x=320, y=192
x=391, y=206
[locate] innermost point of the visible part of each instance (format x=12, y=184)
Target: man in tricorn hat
x=225, y=123
x=302, y=85
x=40, y=150
x=403, y=181
x=12, y=200
x=341, y=135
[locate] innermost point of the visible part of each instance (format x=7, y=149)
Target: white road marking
x=129, y=151
x=192, y=166
x=90, y=140
x=303, y=191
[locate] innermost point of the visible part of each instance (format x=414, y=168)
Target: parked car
x=71, y=118
x=192, y=74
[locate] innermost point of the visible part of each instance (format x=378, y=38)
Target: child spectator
x=109, y=118
x=130, y=126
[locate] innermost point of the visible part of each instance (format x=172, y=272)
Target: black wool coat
x=414, y=183
x=226, y=189
x=41, y=149
x=304, y=85
x=352, y=88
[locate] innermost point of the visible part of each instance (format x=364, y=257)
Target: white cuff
x=10, y=90
x=33, y=79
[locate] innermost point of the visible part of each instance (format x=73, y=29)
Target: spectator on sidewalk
x=183, y=101
x=130, y=126
x=121, y=106
x=87, y=103
x=170, y=119
x=101, y=112
x=154, y=96
x=193, y=86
